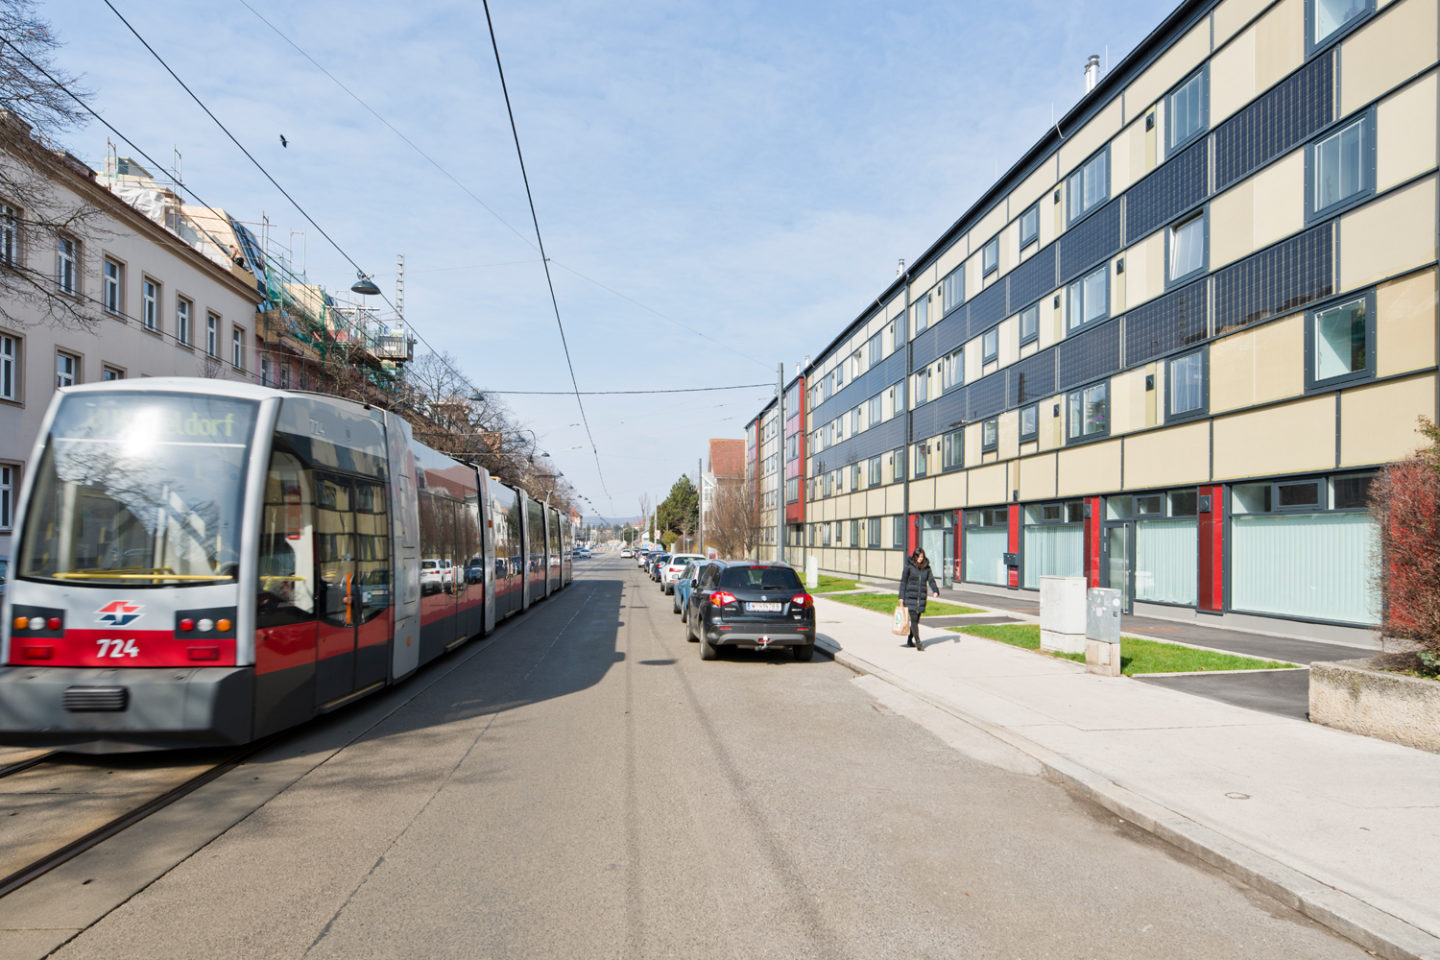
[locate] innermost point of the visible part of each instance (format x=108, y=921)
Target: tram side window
x=335, y=550
x=285, y=590
x=372, y=535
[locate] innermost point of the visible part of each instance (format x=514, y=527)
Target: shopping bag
x=902, y=621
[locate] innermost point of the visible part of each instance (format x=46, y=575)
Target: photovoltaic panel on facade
x=986, y=397
x=1090, y=241
x=1166, y=324
x=1275, y=123
x=1276, y=281
x=1089, y=356
x=1033, y=279
x=987, y=309
x=1174, y=187
x=1032, y=378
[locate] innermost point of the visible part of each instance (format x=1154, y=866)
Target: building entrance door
x=1119, y=561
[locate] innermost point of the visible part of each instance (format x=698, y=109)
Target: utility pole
x=780, y=463
x=700, y=526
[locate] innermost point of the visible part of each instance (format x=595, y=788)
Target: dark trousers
x=914, y=626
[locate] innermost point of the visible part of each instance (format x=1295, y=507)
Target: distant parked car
x=680, y=595
x=627, y=553
x=750, y=606
x=657, y=562
x=670, y=570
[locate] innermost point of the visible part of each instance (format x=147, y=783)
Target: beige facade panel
x=951, y=258
x=1169, y=69
x=1377, y=422
x=1037, y=477
x=1232, y=15
x=1397, y=44
x=1079, y=144
x=1405, y=324
x=1259, y=211
x=1289, y=438
x=1036, y=186
x=1405, y=134
x=1128, y=157
x=895, y=498
x=1051, y=423
x=921, y=282
x=987, y=485
x=1161, y=458
x=1258, y=366
x=1144, y=270
x=950, y=490
x=1279, y=43
x=1128, y=401
x=1008, y=434
x=894, y=565
x=1049, y=327
x=896, y=307
x=987, y=227
x=1388, y=236
x=922, y=495
x=972, y=443
x=875, y=501
x=1232, y=76
x=1089, y=468
x=1009, y=340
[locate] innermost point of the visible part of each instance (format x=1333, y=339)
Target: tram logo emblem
x=118, y=613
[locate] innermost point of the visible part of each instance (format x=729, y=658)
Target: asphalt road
x=581, y=785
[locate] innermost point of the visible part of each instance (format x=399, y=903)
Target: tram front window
x=139, y=489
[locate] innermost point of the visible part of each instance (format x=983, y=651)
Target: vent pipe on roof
x=900, y=268
x=1092, y=72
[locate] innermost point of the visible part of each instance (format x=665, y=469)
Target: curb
x=1370, y=927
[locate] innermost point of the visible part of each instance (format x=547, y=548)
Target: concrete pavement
x=1337, y=826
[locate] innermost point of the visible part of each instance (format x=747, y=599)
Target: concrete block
x=1062, y=614
x=1351, y=695
x=1102, y=657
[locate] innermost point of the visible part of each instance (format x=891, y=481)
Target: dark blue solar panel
x=1165, y=324
x=1032, y=379
x=1276, y=281
x=987, y=309
x=1176, y=186
x=1032, y=279
x=1089, y=242
x=987, y=397
x=1088, y=356
x=1285, y=116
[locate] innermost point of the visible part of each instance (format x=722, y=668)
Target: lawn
x=831, y=584
x=1136, y=656
x=885, y=603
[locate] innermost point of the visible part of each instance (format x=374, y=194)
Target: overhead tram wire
x=612, y=393
x=258, y=166
x=549, y=281
x=473, y=196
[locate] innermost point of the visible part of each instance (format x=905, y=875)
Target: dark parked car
x=656, y=564
x=752, y=606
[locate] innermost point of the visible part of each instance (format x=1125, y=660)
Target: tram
x=204, y=563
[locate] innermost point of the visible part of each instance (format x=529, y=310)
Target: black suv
x=750, y=605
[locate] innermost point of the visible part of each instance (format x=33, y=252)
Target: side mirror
x=694, y=582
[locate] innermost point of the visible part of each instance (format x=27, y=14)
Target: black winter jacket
x=915, y=586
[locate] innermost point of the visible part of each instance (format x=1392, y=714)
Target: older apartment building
x=1169, y=348
x=119, y=292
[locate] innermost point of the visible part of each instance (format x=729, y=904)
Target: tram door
x=352, y=559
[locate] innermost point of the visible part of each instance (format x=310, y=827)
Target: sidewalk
x=1337, y=826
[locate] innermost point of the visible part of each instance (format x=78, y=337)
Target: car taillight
x=722, y=598
x=802, y=600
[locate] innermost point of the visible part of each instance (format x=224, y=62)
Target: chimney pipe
x=900, y=269
x=1092, y=72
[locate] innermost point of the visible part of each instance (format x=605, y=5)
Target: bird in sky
x=283, y=141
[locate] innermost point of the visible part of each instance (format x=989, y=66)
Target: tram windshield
x=141, y=489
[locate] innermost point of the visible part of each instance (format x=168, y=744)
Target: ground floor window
x=1054, y=541
x=987, y=539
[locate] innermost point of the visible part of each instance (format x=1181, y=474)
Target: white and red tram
x=205, y=563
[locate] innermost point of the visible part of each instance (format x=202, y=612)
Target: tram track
x=20, y=766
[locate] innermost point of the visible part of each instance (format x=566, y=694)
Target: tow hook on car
x=764, y=643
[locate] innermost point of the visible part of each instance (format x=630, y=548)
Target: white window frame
x=1175, y=272
x=990, y=257
x=1088, y=187
x=150, y=292
x=1032, y=235
x=67, y=265
x=112, y=282
x=10, y=368
x=212, y=335
x=237, y=348
x=184, y=311
x=9, y=484
x=66, y=377
x=1077, y=299
x=9, y=235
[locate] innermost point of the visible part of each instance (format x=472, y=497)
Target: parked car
x=627, y=553
x=670, y=570
x=656, y=562
x=680, y=595
x=750, y=606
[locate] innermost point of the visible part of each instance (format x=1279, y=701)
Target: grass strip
x=885, y=603
x=1136, y=655
x=831, y=584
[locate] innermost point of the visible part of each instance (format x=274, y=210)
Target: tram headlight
x=21, y=623
x=37, y=623
x=205, y=625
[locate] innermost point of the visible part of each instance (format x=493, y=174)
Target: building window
x=897, y=335
x=9, y=367
x=150, y=304
x=898, y=468
x=877, y=351
x=877, y=409
x=111, y=373
x=1030, y=226
x=1187, y=111
x=1186, y=386
x=9, y=235
x=922, y=459
x=1089, y=186
x=67, y=253
x=990, y=257
x=872, y=531
x=877, y=472
x=990, y=345
x=8, y=476
x=1327, y=20
x=952, y=370
x=1186, y=244
x=1340, y=343
x=922, y=314
x=1088, y=299
x=952, y=290
x=110, y=294
x=1340, y=168
x=67, y=370
x=897, y=531
x=952, y=450
x=212, y=335
x=990, y=435
x=854, y=477
x=1089, y=412
x=1030, y=324
x=1030, y=422
x=922, y=386
x=854, y=533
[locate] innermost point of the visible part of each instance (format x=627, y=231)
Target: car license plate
x=762, y=607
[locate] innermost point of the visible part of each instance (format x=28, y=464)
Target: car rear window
x=765, y=578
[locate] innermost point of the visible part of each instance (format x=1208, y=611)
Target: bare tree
x=732, y=526
x=36, y=108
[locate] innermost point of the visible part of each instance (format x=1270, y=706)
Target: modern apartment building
x=1170, y=346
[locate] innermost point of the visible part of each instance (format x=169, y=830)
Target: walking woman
x=913, y=588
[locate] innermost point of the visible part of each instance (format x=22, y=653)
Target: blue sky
x=746, y=174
